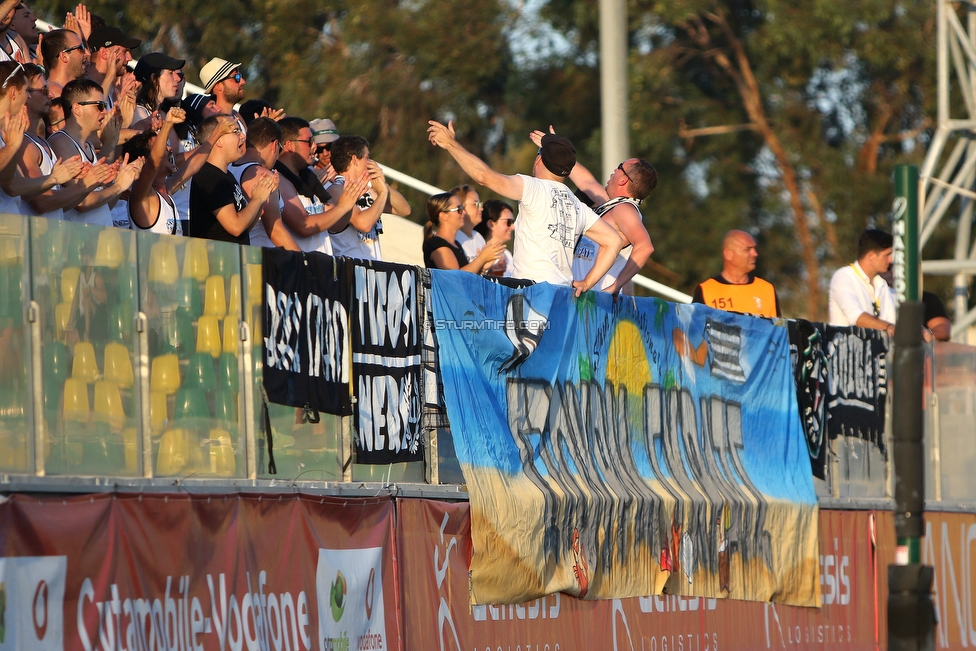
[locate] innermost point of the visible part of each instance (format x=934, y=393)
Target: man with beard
x=65, y=57
x=110, y=52
x=224, y=81
x=305, y=213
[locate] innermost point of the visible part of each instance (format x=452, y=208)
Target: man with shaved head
x=735, y=289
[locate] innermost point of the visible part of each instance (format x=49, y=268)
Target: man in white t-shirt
x=858, y=294
x=551, y=219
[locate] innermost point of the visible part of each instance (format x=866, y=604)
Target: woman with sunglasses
x=441, y=249
x=497, y=225
x=471, y=241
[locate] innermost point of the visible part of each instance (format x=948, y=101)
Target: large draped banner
x=616, y=449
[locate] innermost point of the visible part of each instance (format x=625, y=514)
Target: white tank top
x=258, y=234
x=320, y=242
x=47, y=166
x=167, y=219
x=14, y=49
x=102, y=216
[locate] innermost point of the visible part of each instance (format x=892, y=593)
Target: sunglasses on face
x=506, y=221
x=308, y=141
x=476, y=204
x=45, y=90
x=454, y=209
x=236, y=77
x=621, y=168
x=101, y=104
x=80, y=46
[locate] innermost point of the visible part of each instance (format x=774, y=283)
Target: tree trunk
x=741, y=74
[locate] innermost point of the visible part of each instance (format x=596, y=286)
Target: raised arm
x=503, y=184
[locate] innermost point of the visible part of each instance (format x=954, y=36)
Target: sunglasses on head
x=13, y=72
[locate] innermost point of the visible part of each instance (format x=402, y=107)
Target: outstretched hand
x=440, y=135
x=536, y=136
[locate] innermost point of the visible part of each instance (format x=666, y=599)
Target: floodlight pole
x=613, y=84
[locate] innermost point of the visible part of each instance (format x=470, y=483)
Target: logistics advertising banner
x=619, y=448
x=434, y=543
x=948, y=547
x=184, y=572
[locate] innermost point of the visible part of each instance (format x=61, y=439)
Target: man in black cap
x=110, y=52
x=551, y=219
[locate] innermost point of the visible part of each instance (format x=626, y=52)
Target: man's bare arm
x=629, y=222
x=503, y=184
x=610, y=244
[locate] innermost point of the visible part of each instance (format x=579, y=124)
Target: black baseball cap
x=558, y=154
x=154, y=62
x=109, y=36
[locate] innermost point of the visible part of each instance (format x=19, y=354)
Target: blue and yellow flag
x=615, y=449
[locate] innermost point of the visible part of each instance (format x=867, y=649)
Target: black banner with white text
x=307, y=357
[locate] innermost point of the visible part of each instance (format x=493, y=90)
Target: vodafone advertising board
x=187, y=573
x=434, y=543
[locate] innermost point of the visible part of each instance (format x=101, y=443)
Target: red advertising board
x=434, y=546
x=147, y=572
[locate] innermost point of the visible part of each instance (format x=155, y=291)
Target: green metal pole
x=904, y=228
x=905, y=274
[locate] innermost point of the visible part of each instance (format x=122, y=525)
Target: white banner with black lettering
x=386, y=362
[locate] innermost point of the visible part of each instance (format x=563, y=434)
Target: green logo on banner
x=337, y=596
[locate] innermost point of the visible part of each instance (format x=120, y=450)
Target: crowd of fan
x=90, y=136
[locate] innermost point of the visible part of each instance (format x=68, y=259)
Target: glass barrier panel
x=15, y=394
x=83, y=280
x=448, y=467
x=190, y=291
x=955, y=424
x=303, y=450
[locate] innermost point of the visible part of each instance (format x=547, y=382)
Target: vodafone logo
x=39, y=610
x=370, y=583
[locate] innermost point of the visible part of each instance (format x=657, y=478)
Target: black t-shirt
x=210, y=191
x=435, y=242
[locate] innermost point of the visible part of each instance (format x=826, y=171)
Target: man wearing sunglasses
x=224, y=81
x=309, y=212
x=65, y=57
x=85, y=113
x=618, y=204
